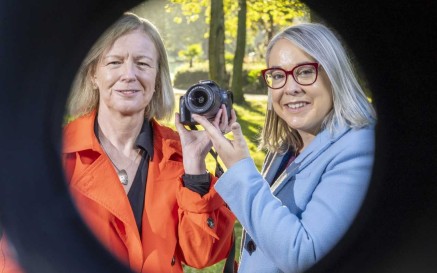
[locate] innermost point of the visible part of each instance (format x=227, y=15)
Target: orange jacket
x=7, y=263
x=178, y=225
x=175, y=226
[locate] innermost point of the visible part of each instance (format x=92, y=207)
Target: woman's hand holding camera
x=230, y=151
x=196, y=144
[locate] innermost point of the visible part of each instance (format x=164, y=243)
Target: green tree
x=267, y=17
x=216, y=45
x=193, y=51
x=263, y=19
x=240, y=49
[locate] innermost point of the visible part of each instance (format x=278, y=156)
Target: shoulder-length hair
x=84, y=99
x=350, y=104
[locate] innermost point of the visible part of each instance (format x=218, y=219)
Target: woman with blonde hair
x=319, y=134
x=142, y=188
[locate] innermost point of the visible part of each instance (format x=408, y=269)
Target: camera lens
x=199, y=98
x=202, y=100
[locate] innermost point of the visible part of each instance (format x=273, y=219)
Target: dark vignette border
x=42, y=43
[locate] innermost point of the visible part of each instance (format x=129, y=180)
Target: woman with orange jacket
x=143, y=189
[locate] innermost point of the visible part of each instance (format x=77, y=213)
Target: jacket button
x=210, y=222
x=251, y=247
x=173, y=261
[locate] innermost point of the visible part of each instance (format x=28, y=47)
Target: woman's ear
x=93, y=80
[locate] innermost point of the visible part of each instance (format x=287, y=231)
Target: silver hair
x=351, y=107
x=84, y=98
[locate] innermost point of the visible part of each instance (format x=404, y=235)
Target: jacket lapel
x=271, y=165
x=320, y=143
x=105, y=190
x=108, y=193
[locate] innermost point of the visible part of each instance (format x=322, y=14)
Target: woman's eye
x=114, y=63
x=142, y=64
x=306, y=72
x=277, y=76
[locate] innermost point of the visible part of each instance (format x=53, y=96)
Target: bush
x=186, y=77
x=253, y=82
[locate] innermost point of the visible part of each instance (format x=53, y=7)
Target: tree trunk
x=216, y=49
x=237, y=73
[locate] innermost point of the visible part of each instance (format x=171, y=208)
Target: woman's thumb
x=236, y=129
x=238, y=134
x=239, y=140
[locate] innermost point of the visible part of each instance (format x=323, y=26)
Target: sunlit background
x=185, y=28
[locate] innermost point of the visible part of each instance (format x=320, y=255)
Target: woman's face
x=301, y=107
x=125, y=75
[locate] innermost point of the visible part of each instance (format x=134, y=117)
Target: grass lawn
x=251, y=119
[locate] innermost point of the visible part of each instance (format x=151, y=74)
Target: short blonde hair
x=84, y=98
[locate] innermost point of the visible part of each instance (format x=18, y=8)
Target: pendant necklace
x=122, y=174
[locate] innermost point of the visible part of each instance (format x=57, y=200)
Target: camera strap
x=218, y=168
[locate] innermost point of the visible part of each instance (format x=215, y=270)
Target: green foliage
x=186, y=77
x=229, y=57
x=264, y=17
x=253, y=82
x=192, y=52
x=189, y=9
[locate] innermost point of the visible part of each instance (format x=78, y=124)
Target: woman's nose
x=291, y=87
x=128, y=73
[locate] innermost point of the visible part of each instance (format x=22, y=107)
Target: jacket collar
x=83, y=134
x=320, y=143
x=144, y=139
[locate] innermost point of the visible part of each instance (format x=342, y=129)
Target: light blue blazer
x=299, y=219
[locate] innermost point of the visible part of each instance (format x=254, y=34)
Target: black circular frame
x=42, y=45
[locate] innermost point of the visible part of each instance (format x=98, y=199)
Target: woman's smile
x=127, y=91
x=296, y=107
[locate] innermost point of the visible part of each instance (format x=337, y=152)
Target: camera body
x=204, y=98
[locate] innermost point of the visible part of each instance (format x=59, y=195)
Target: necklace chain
x=122, y=173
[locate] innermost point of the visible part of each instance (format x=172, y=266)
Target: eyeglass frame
x=291, y=72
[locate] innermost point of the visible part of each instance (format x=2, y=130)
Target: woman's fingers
x=230, y=151
x=210, y=128
x=179, y=126
x=224, y=120
x=233, y=117
x=217, y=122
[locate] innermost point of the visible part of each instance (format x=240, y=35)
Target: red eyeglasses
x=303, y=74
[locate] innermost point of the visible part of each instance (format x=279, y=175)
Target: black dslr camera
x=204, y=98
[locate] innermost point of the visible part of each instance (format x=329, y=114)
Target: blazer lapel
x=271, y=165
x=320, y=143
